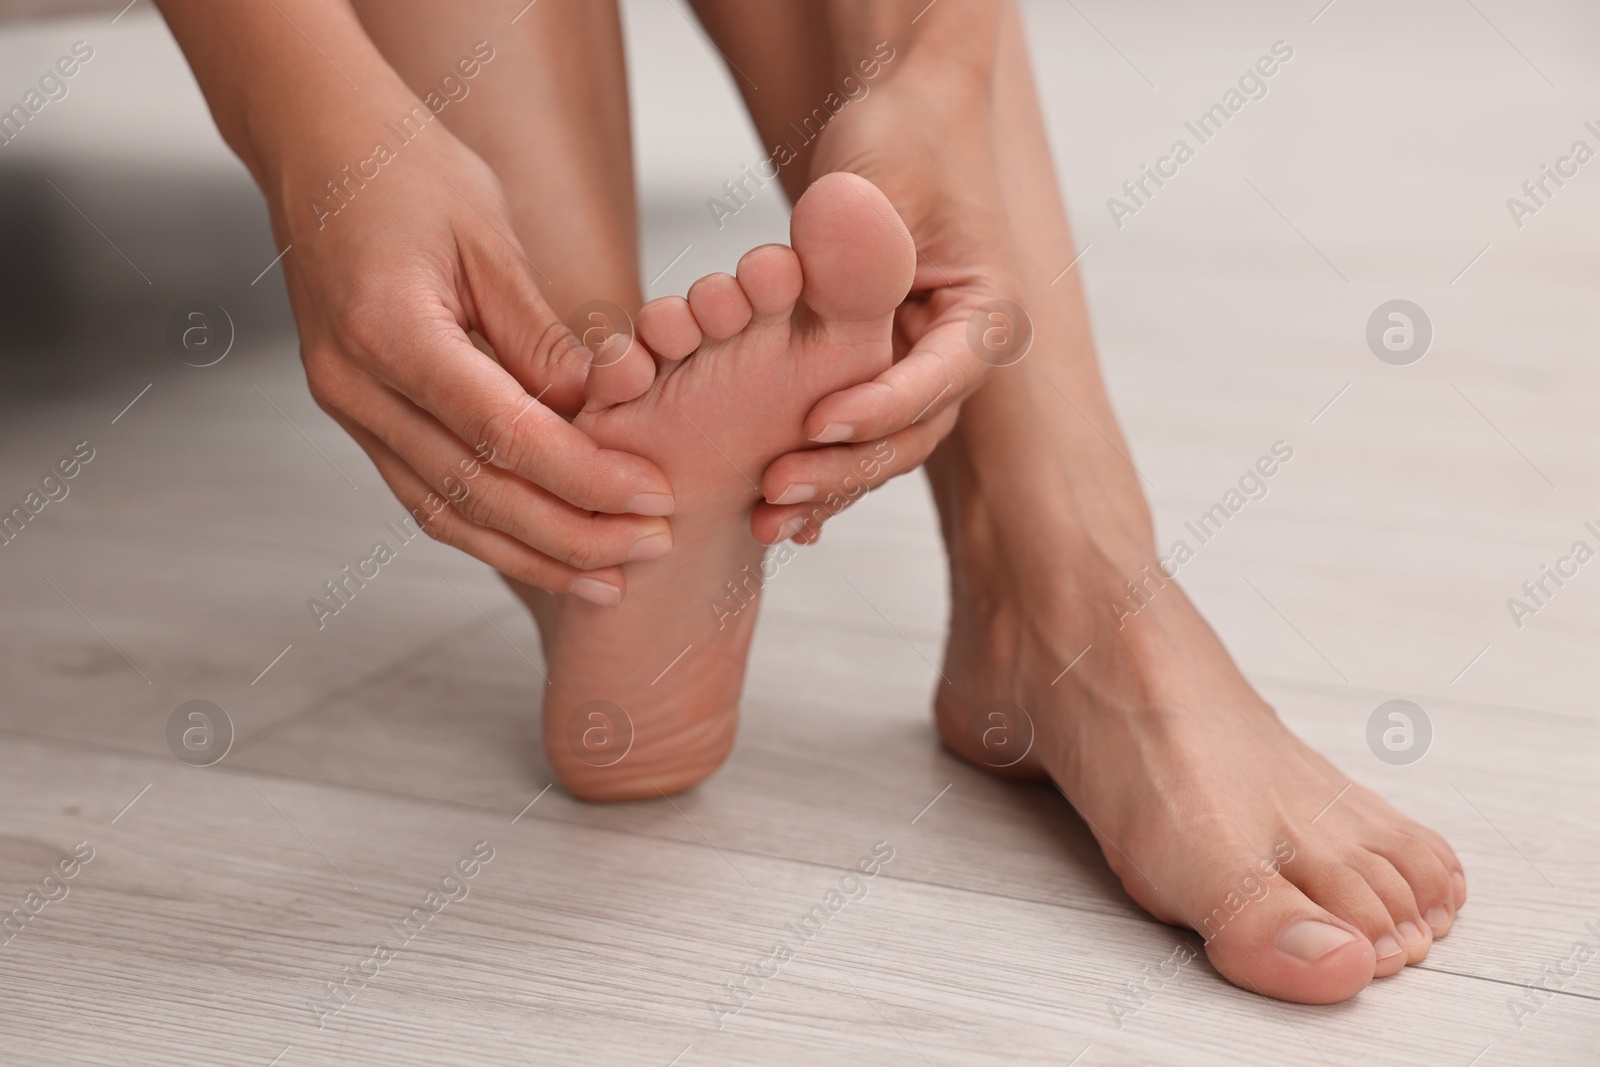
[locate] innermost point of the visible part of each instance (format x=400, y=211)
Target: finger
x=439, y=520
x=814, y=486
x=535, y=347
x=433, y=364
x=486, y=496
x=940, y=370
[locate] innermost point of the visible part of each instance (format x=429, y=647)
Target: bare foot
x=1304, y=885
x=643, y=697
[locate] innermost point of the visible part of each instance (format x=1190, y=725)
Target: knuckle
x=443, y=525
x=482, y=505
x=324, y=378
x=477, y=511
x=585, y=555
x=361, y=316
x=494, y=433
x=591, y=544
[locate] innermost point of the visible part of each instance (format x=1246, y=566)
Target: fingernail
x=835, y=431
x=596, y=592
x=1387, y=947
x=1437, y=918
x=796, y=493
x=1410, y=933
x=653, y=547
x=651, y=504
x=1459, y=880
x=1310, y=940
x=791, y=527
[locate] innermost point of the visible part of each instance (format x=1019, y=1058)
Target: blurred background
x=1232, y=313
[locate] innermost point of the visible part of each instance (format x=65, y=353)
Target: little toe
x=1446, y=856
x=621, y=370
x=719, y=306
x=667, y=325
x=770, y=277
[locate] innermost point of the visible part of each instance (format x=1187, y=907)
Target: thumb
x=529, y=341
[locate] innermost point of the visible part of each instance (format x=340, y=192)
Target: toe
x=1395, y=890
x=1430, y=882
x=770, y=277
x=1336, y=883
x=1265, y=934
x=1446, y=856
x=667, y=325
x=855, y=252
x=621, y=371
x=719, y=306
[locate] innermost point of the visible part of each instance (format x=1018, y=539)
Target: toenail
x=596, y=592
x=1437, y=917
x=651, y=504
x=796, y=493
x=653, y=547
x=1459, y=880
x=1387, y=947
x=791, y=527
x=1310, y=940
x=1409, y=932
x=835, y=431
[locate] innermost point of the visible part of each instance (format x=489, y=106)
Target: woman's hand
x=399, y=255
x=924, y=139
x=385, y=293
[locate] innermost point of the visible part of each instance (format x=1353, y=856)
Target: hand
x=473, y=442
x=928, y=148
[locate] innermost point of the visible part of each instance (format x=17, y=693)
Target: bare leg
x=549, y=114
x=1201, y=799
x=643, y=697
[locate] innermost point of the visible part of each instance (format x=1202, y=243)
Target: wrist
x=298, y=151
x=292, y=85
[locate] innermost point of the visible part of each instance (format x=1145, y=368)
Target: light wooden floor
x=373, y=755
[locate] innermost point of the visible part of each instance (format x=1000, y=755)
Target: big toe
x=856, y=254
x=1284, y=945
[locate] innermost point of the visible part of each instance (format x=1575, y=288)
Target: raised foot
x=643, y=697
